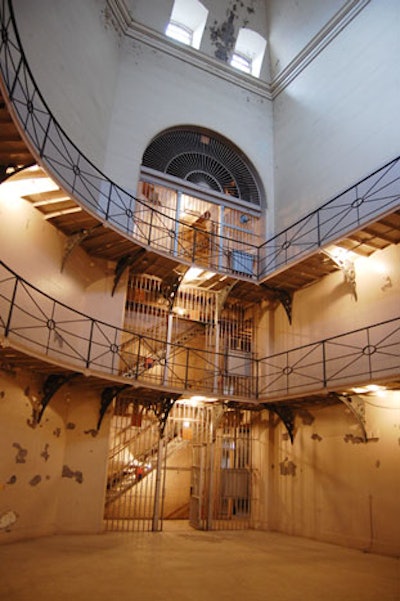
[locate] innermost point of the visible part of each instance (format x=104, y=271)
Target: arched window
x=249, y=52
x=207, y=190
x=187, y=22
x=205, y=160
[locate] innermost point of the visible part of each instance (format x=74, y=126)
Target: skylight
x=179, y=32
x=241, y=62
x=249, y=52
x=187, y=22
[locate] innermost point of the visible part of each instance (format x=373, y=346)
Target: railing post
x=46, y=133
x=257, y=366
x=187, y=368
x=157, y=491
x=138, y=357
x=194, y=245
x=90, y=343
x=150, y=226
x=324, y=364
x=168, y=347
x=107, y=214
x=177, y=216
x=8, y=325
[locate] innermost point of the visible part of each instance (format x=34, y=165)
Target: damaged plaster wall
x=225, y=18
x=329, y=485
x=84, y=471
x=52, y=474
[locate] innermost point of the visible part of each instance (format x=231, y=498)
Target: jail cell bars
x=220, y=345
x=131, y=496
x=237, y=332
x=206, y=469
x=146, y=314
x=206, y=232
x=131, y=480
x=232, y=471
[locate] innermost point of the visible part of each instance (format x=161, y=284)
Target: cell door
x=198, y=490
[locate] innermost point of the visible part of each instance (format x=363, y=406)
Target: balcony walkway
x=108, y=221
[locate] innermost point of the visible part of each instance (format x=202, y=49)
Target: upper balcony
x=110, y=222
x=167, y=227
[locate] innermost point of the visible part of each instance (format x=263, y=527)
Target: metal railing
x=39, y=325
x=48, y=328
x=362, y=355
x=375, y=195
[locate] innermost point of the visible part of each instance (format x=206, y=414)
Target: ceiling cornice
x=266, y=90
x=157, y=41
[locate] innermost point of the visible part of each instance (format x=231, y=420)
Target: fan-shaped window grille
x=204, y=160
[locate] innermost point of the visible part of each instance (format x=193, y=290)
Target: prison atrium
x=199, y=269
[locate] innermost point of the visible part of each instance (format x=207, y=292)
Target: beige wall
x=52, y=473
x=329, y=308
x=331, y=486
x=85, y=284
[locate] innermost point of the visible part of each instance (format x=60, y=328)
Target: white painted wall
x=72, y=50
x=337, y=122
x=292, y=24
x=157, y=91
x=112, y=101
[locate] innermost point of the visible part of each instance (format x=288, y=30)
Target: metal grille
x=232, y=487
x=204, y=160
x=131, y=480
x=132, y=503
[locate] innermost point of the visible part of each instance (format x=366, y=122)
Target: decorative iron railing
x=377, y=194
x=40, y=325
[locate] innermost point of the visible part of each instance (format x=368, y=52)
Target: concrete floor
x=181, y=564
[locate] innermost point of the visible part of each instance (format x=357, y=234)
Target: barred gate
x=200, y=469
x=232, y=472
x=132, y=469
x=221, y=488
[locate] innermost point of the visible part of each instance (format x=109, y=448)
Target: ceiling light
x=192, y=274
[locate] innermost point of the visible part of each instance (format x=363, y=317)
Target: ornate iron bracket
x=284, y=297
x=162, y=409
x=52, y=383
x=356, y=405
x=107, y=396
x=75, y=240
x=123, y=264
x=286, y=414
x=346, y=266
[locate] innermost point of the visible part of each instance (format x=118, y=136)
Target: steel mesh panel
x=204, y=160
